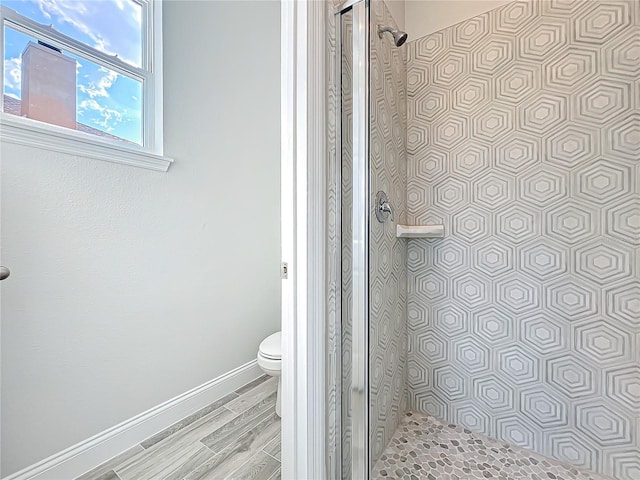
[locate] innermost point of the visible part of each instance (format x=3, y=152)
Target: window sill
x=31, y=133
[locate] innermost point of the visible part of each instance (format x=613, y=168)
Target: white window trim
x=32, y=133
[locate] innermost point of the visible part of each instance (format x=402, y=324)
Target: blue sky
x=106, y=100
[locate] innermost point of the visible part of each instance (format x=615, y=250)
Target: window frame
x=25, y=131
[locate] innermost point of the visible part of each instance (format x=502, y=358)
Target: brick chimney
x=48, y=85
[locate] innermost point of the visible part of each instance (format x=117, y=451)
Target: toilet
x=270, y=360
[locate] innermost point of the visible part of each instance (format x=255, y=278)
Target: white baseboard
x=88, y=454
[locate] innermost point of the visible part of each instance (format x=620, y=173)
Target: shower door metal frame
x=360, y=457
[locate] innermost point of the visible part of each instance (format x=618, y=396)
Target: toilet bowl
x=270, y=360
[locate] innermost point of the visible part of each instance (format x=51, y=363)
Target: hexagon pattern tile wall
x=524, y=141
x=387, y=253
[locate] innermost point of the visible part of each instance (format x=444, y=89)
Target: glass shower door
x=353, y=146
x=346, y=228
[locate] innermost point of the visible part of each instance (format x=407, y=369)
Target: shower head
x=398, y=37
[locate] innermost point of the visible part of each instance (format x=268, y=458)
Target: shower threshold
x=424, y=447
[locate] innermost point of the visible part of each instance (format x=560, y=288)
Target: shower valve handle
x=387, y=208
x=383, y=207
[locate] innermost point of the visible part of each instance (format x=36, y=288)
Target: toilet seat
x=270, y=366
x=271, y=347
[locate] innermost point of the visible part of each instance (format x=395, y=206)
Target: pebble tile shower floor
x=425, y=448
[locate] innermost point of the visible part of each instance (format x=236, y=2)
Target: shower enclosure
x=372, y=159
x=516, y=132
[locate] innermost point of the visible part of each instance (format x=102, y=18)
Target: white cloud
x=109, y=118
x=136, y=13
x=69, y=11
x=74, y=13
x=13, y=73
x=101, y=44
x=89, y=18
x=101, y=89
x=134, y=9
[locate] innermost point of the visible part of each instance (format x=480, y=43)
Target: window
x=88, y=69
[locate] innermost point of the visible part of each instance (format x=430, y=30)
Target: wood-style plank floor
x=237, y=437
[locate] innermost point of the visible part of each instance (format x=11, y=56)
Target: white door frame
x=303, y=207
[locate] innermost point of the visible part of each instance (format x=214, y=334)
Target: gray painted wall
x=524, y=322
x=128, y=286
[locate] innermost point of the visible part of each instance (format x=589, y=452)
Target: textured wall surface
x=387, y=254
x=524, y=140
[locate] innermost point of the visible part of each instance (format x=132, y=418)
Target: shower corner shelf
x=420, y=231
